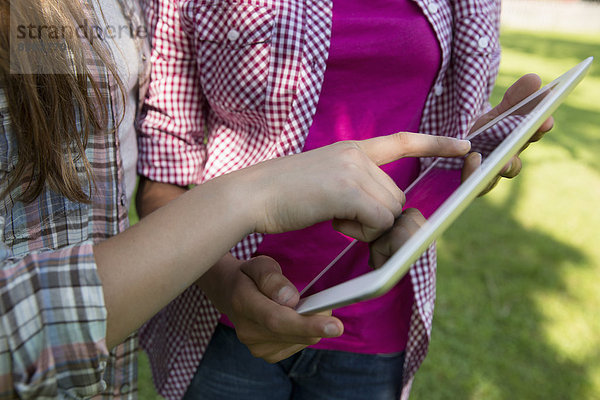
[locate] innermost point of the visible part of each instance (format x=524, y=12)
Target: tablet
x=524, y=119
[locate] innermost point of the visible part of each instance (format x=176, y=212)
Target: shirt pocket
x=233, y=44
x=51, y=221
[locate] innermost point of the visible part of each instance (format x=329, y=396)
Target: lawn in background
x=518, y=307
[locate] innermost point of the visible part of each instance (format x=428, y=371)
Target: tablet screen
x=433, y=186
x=440, y=196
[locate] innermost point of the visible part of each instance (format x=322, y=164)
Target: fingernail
x=331, y=329
x=466, y=144
x=284, y=295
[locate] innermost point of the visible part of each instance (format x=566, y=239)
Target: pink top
x=180, y=115
x=382, y=62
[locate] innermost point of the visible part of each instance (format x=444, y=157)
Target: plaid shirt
x=53, y=316
x=235, y=83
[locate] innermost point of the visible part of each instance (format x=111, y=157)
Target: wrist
x=218, y=273
x=230, y=198
x=217, y=282
x=250, y=197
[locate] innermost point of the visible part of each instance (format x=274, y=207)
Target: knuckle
x=400, y=232
x=244, y=337
x=352, y=146
x=369, y=234
x=269, y=263
x=237, y=304
x=272, y=322
x=402, y=138
x=271, y=359
x=351, y=170
x=248, y=335
x=384, y=221
x=349, y=190
x=257, y=353
x=345, y=144
x=266, y=278
x=402, y=141
x=352, y=154
x=388, y=219
x=352, y=191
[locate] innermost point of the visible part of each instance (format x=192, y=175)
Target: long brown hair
x=55, y=108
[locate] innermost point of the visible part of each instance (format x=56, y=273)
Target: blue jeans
x=229, y=371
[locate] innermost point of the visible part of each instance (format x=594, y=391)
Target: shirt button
x=143, y=57
x=428, y=307
x=125, y=388
x=123, y=200
x=483, y=41
x=438, y=90
x=433, y=7
x=233, y=35
x=103, y=385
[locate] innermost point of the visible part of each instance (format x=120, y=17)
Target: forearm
x=145, y=267
x=153, y=195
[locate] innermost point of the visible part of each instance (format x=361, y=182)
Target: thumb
x=267, y=276
x=385, y=149
x=523, y=87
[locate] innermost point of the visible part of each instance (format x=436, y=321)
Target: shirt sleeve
x=475, y=62
x=489, y=34
x=52, y=324
x=171, y=128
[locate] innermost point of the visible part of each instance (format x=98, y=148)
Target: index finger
x=385, y=149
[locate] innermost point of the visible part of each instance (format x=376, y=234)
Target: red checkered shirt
x=235, y=83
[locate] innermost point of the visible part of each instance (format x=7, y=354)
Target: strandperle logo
x=34, y=47
x=84, y=31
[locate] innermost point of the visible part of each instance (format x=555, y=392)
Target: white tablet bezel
x=378, y=282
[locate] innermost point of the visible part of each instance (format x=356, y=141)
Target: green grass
x=518, y=308
x=145, y=386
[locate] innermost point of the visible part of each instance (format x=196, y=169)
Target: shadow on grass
x=578, y=136
x=488, y=338
x=551, y=48
x=575, y=129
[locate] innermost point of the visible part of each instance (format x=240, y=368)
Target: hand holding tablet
x=523, y=121
x=522, y=88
